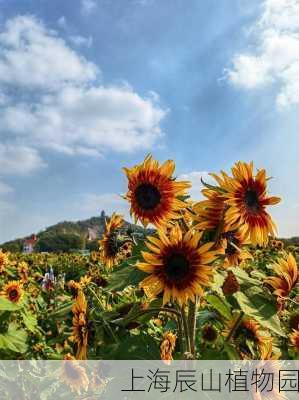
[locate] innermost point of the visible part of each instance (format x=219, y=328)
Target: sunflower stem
x=107, y=325
x=186, y=330
x=235, y=327
x=192, y=325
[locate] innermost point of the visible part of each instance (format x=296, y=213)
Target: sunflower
x=74, y=375
x=235, y=254
x=209, y=213
x=109, y=249
x=209, y=333
x=177, y=265
x=3, y=261
x=23, y=271
x=287, y=276
x=294, y=338
x=153, y=193
x=13, y=291
x=246, y=198
x=248, y=337
x=80, y=326
x=167, y=346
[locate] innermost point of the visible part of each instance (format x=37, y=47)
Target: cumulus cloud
x=19, y=160
x=70, y=111
x=275, y=56
x=33, y=56
x=78, y=120
x=195, y=178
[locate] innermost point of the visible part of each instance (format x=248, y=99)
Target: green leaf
x=220, y=305
x=259, y=307
x=244, y=279
x=125, y=275
x=14, y=339
x=30, y=321
x=135, y=347
x=61, y=310
x=6, y=305
x=231, y=352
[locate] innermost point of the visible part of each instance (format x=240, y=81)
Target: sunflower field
x=210, y=281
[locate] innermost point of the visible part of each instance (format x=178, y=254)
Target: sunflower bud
x=230, y=285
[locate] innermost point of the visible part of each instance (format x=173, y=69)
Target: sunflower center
x=147, y=196
x=176, y=267
x=248, y=334
x=13, y=294
x=252, y=200
x=112, y=245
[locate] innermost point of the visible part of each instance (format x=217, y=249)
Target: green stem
x=107, y=325
x=186, y=330
x=192, y=324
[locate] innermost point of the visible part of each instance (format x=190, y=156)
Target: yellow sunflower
x=209, y=213
x=178, y=265
x=167, y=346
x=294, y=338
x=246, y=197
x=153, y=193
x=3, y=261
x=74, y=375
x=287, y=276
x=109, y=250
x=235, y=254
x=23, y=271
x=13, y=291
x=80, y=326
x=249, y=337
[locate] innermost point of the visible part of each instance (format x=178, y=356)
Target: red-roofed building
x=28, y=245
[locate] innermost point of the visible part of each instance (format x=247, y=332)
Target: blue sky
x=89, y=86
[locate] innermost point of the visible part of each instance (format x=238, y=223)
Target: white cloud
x=88, y=6
x=80, y=119
x=35, y=57
x=275, y=58
x=81, y=40
x=19, y=160
x=195, y=178
x=69, y=112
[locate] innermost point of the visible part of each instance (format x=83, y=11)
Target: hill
x=68, y=235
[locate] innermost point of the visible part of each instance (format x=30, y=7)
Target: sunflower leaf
x=220, y=305
x=6, y=305
x=14, y=339
x=259, y=307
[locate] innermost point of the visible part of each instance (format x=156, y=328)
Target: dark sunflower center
x=13, y=294
x=252, y=200
x=209, y=333
x=245, y=333
x=112, y=245
x=147, y=196
x=176, y=267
